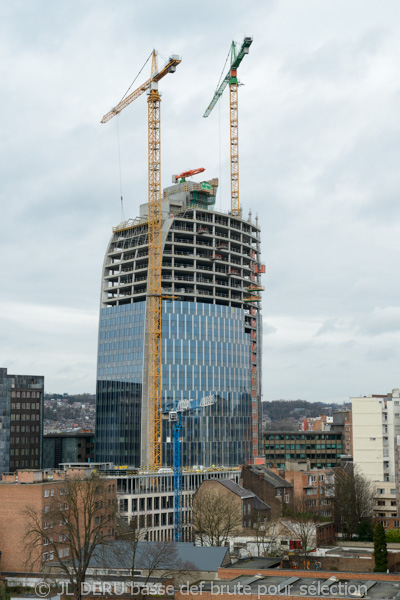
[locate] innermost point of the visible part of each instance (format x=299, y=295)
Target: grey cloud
x=319, y=149
x=381, y=321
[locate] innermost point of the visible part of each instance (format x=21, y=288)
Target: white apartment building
x=376, y=423
x=376, y=426
x=385, y=501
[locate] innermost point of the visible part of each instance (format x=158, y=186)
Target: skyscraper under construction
x=211, y=333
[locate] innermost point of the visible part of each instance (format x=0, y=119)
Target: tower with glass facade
x=211, y=333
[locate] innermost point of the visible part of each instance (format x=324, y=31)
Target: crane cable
x=119, y=144
x=220, y=160
x=120, y=172
x=219, y=133
x=150, y=55
x=223, y=70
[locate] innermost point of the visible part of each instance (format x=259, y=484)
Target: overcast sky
x=319, y=163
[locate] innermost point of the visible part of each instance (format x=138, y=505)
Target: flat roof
x=300, y=587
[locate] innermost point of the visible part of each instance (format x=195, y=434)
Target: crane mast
x=154, y=273
x=175, y=416
x=231, y=79
x=233, y=111
x=154, y=240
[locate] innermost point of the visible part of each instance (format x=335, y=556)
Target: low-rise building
x=315, y=488
x=322, y=449
x=321, y=423
x=342, y=558
x=182, y=562
x=148, y=497
x=68, y=447
x=32, y=500
x=251, y=511
x=268, y=486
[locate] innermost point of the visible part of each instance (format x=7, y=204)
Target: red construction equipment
x=187, y=174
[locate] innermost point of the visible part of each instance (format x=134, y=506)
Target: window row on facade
x=24, y=428
x=303, y=436
x=25, y=417
x=24, y=394
x=314, y=446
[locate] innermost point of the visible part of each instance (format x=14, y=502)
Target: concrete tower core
x=211, y=333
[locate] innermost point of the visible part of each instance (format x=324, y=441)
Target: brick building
x=350, y=559
x=249, y=506
x=322, y=449
x=21, y=421
x=268, y=486
x=321, y=423
x=314, y=487
x=38, y=492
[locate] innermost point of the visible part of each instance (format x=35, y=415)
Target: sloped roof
x=118, y=554
x=259, y=504
x=244, y=494
x=236, y=488
x=270, y=476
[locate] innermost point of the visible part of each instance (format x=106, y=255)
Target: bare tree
x=131, y=534
x=258, y=525
x=132, y=552
x=266, y=532
x=302, y=524
x=78, y=518
x=216, y=517
x=353, y=500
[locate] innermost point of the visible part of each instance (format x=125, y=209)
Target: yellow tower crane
x=231, y=78
x=154, y=241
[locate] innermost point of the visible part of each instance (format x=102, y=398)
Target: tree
x=79, y=517
x=302, y=524
x=217, y=516
x=265, y=533
x=393, y=536
x=353, y=500
x=131, y=534
x=365, y=532
x=132, y=551
x=4, y=591
x=380, y=549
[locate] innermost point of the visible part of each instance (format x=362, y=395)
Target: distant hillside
x=71, y=398
x=278, y=410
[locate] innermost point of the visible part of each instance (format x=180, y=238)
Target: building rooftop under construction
x=211, y=332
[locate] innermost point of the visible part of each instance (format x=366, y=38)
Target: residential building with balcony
x=385, y=499
x=376, y=424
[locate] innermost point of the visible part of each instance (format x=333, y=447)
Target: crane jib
x=234, y=65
